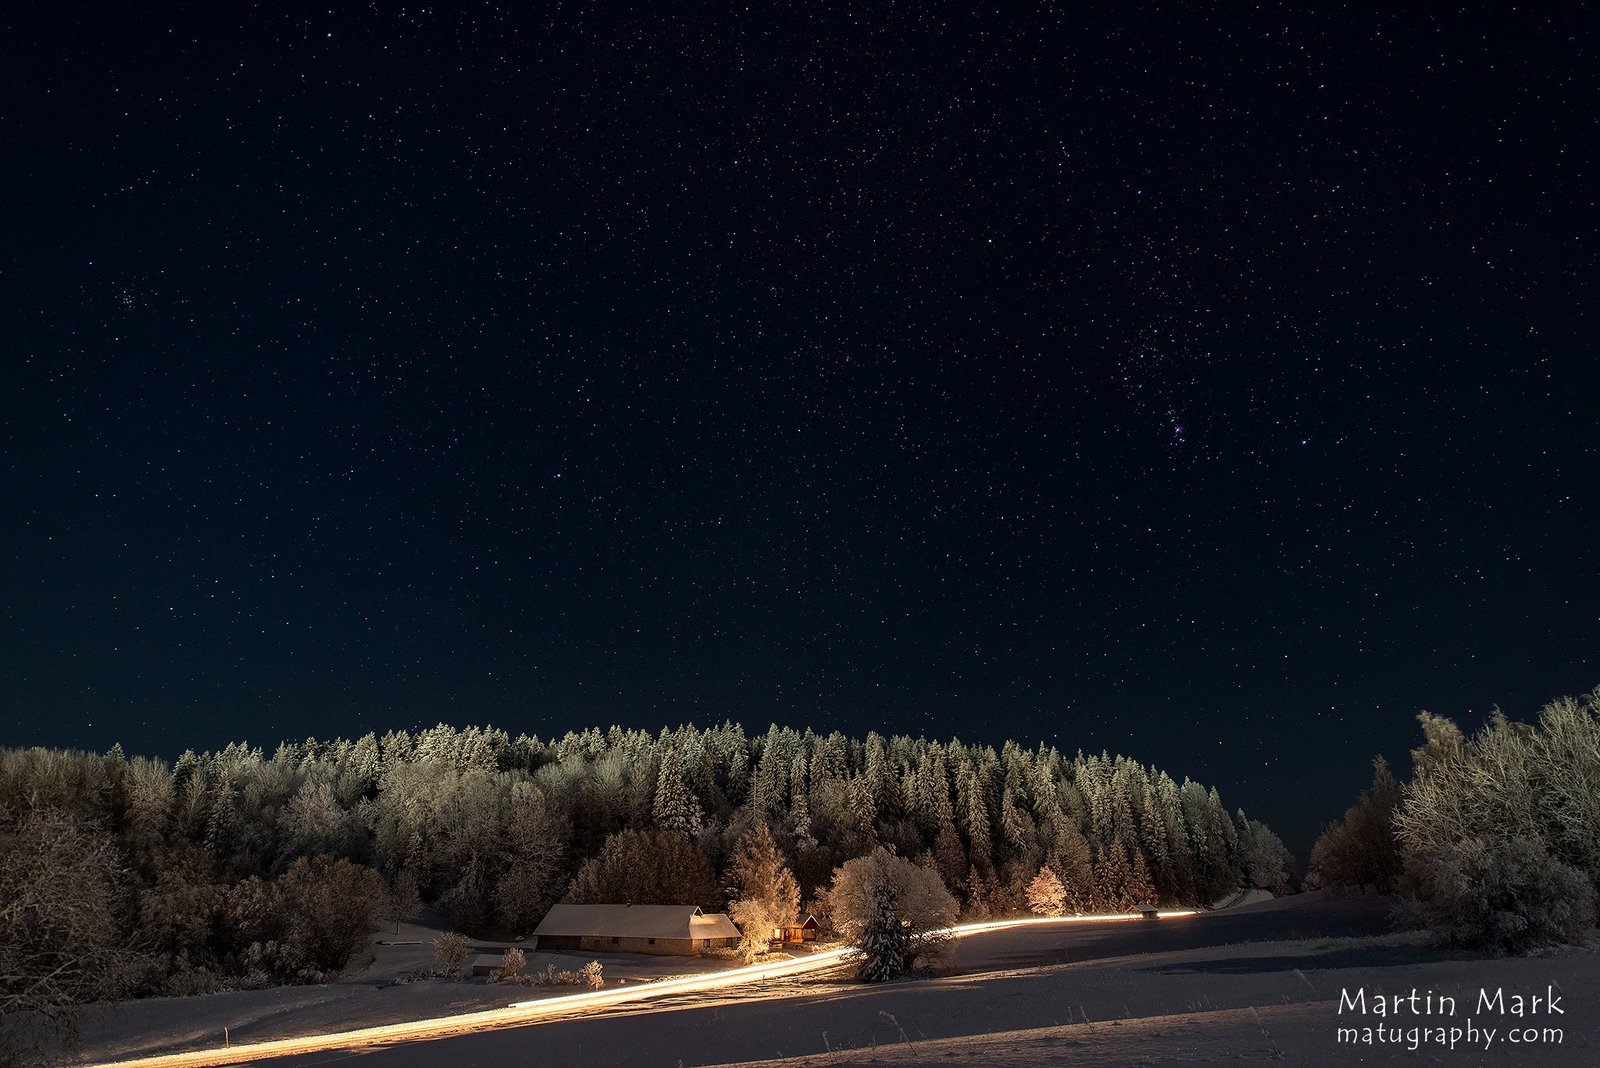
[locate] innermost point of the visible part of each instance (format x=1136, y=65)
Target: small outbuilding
x=1147, y=912
x=670, y=930
x=803, y=929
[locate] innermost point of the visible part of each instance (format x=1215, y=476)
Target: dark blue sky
x=1211, y=386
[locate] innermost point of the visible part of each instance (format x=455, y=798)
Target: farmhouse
x=673, y=930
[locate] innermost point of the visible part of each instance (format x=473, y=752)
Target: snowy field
x=372, y=993
x=1258, y=982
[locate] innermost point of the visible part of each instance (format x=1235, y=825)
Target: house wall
x=558, y=942
x=604, y=944
x=668, y=947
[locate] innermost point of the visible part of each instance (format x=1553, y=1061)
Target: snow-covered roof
x=712, y=925
x=636, y=921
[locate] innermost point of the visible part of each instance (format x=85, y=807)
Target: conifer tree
x=1071, y=861
x=769, y=782
x=1112, y=878
x=1152, y=839
x=1263, y=858
x=675, y=811
x=495, y=829
x=765, y=895
x=800, y=806
x=880, y=779
x=1015, y=826
x=221, y=822
x=982, y=891
x=1141, y=889
x=949, y=859
x=884, y=943
x=977, y=819
x=863, y=811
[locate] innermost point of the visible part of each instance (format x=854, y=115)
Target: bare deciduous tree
x=404, y=899
x=1046, y=895
x=450, y=951
x=918, y=895
x=645, y=868
x=1499, y=830
x=58, y=928
x=1361, y=851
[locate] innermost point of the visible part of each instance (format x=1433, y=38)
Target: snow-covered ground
x=1242, y=1003
x=374, y=991
x=1243, y=897
x=1196, y=991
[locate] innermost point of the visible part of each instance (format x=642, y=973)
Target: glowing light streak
x=522, y=1013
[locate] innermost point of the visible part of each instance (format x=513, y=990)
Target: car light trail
x=522, y=1013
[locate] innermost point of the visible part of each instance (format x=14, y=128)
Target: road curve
x=524, y=1013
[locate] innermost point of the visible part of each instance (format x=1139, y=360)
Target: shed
x=672, y=930
x=801, y=929
x=1147, y=912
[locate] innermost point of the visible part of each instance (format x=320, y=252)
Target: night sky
x=1212, y=386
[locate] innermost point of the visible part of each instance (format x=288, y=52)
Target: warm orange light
x=526, y=1012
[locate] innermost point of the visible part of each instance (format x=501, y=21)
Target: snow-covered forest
x=239, y=867
x=1495, y=840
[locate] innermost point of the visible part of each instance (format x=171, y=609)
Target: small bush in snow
x=511, y=963
x=450, y=950
x=1502, y=894
x=192, y=982
x=590, y=975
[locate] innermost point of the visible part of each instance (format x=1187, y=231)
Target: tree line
x=130, y=875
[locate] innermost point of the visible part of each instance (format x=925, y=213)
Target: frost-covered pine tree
x=1140, y=887
x=1071, y=861
x=977, y=819
x=765, y=895
x=1112, y=875
x=884, y=944
x=676, y=811
x=800, y=807
x=863, y=810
